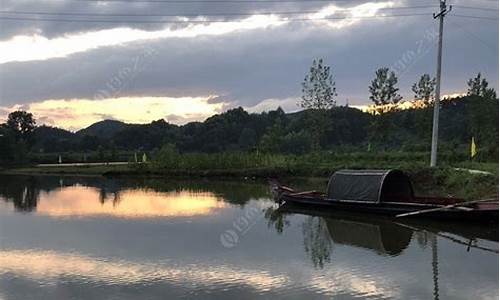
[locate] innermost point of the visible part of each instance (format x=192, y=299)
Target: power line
x=475, y=36
x=476, y=0
x=224, y=1
x=201, y=21
x=191, y=15
x=476, y=8
x=475, y=17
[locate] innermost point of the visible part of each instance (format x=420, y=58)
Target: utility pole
x=437, y=98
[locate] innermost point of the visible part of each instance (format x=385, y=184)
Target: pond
x=101, y=238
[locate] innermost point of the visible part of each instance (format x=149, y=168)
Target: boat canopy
x=382, y=237
x=373, y=186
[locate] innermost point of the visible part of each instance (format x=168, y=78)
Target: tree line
x=319, y=88
x=322, y=125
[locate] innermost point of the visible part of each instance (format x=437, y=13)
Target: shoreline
x=117, y=170
x=444, y=181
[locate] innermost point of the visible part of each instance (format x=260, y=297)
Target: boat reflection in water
x=382, y=237
x=322, y=230
x=88, y=238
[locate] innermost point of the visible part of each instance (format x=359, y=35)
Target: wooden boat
x=386, y=192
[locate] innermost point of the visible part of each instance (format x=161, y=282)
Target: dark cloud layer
x=54, y=29
x=246, y=67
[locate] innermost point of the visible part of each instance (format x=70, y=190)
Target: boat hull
x=483, y=214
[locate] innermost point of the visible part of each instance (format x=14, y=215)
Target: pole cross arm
x=443, y=12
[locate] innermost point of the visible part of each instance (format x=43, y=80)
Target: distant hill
x=53, y=139
x=103, y=129
x=348, y=129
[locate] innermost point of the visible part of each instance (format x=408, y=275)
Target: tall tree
x=479, y=87
x=383, y=88
x=318, y=92
x=318, y=87
x=18, y=133
x=22, y=123
x=424, y=88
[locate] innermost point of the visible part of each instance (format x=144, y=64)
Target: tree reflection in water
x=276, y=219
x=317, y=242
x=27, y=200
x=23, y=194
x=24, y=191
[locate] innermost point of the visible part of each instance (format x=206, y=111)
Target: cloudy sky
x=74, y=62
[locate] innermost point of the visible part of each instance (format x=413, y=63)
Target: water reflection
x=85, y=201
x=125, y=238
x=317, y=241
x=383, y=237
x=90, y=196
x=23, y=193
x=322, y=231
x=47, y=266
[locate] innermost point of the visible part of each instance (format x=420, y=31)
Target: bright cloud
x=288, y=105
x=37, y=47
x=43, y=48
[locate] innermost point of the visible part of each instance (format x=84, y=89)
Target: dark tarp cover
x=370, y=186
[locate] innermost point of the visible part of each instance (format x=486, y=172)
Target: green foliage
x=16, y=138
x=318, y=87
x=247, y=139
x=167, y=157
x=270, y=141
x=277, y=140
x=101, y=153
x=479, y=87
x=346, y=129
x=318, y=92
x=456, y=182
x=383, y=88
x=22, y=123
x=424, y=88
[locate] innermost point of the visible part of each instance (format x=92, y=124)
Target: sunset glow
x=79, y=113
x=85, y=201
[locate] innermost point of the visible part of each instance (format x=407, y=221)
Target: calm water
x=95, y=238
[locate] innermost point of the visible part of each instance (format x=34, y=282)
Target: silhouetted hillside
x=347, y=129
x=53, y=139
x=103, y=129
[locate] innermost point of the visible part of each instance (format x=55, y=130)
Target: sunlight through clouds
x=42, y=48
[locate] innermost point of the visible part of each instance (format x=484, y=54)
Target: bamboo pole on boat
x=456, y=205
x=445, y=236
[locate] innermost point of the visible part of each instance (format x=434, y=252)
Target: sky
x=146, y=60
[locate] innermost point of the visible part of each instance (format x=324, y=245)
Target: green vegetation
x=349, y=130
x=309, y=143
x=322, y=127
x=16, y=137
x=479, y=87
x=424, y=88
x=383, y=88
x=318, y=92
x=454, y=180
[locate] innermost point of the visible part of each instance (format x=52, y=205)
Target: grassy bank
x=451, y=178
